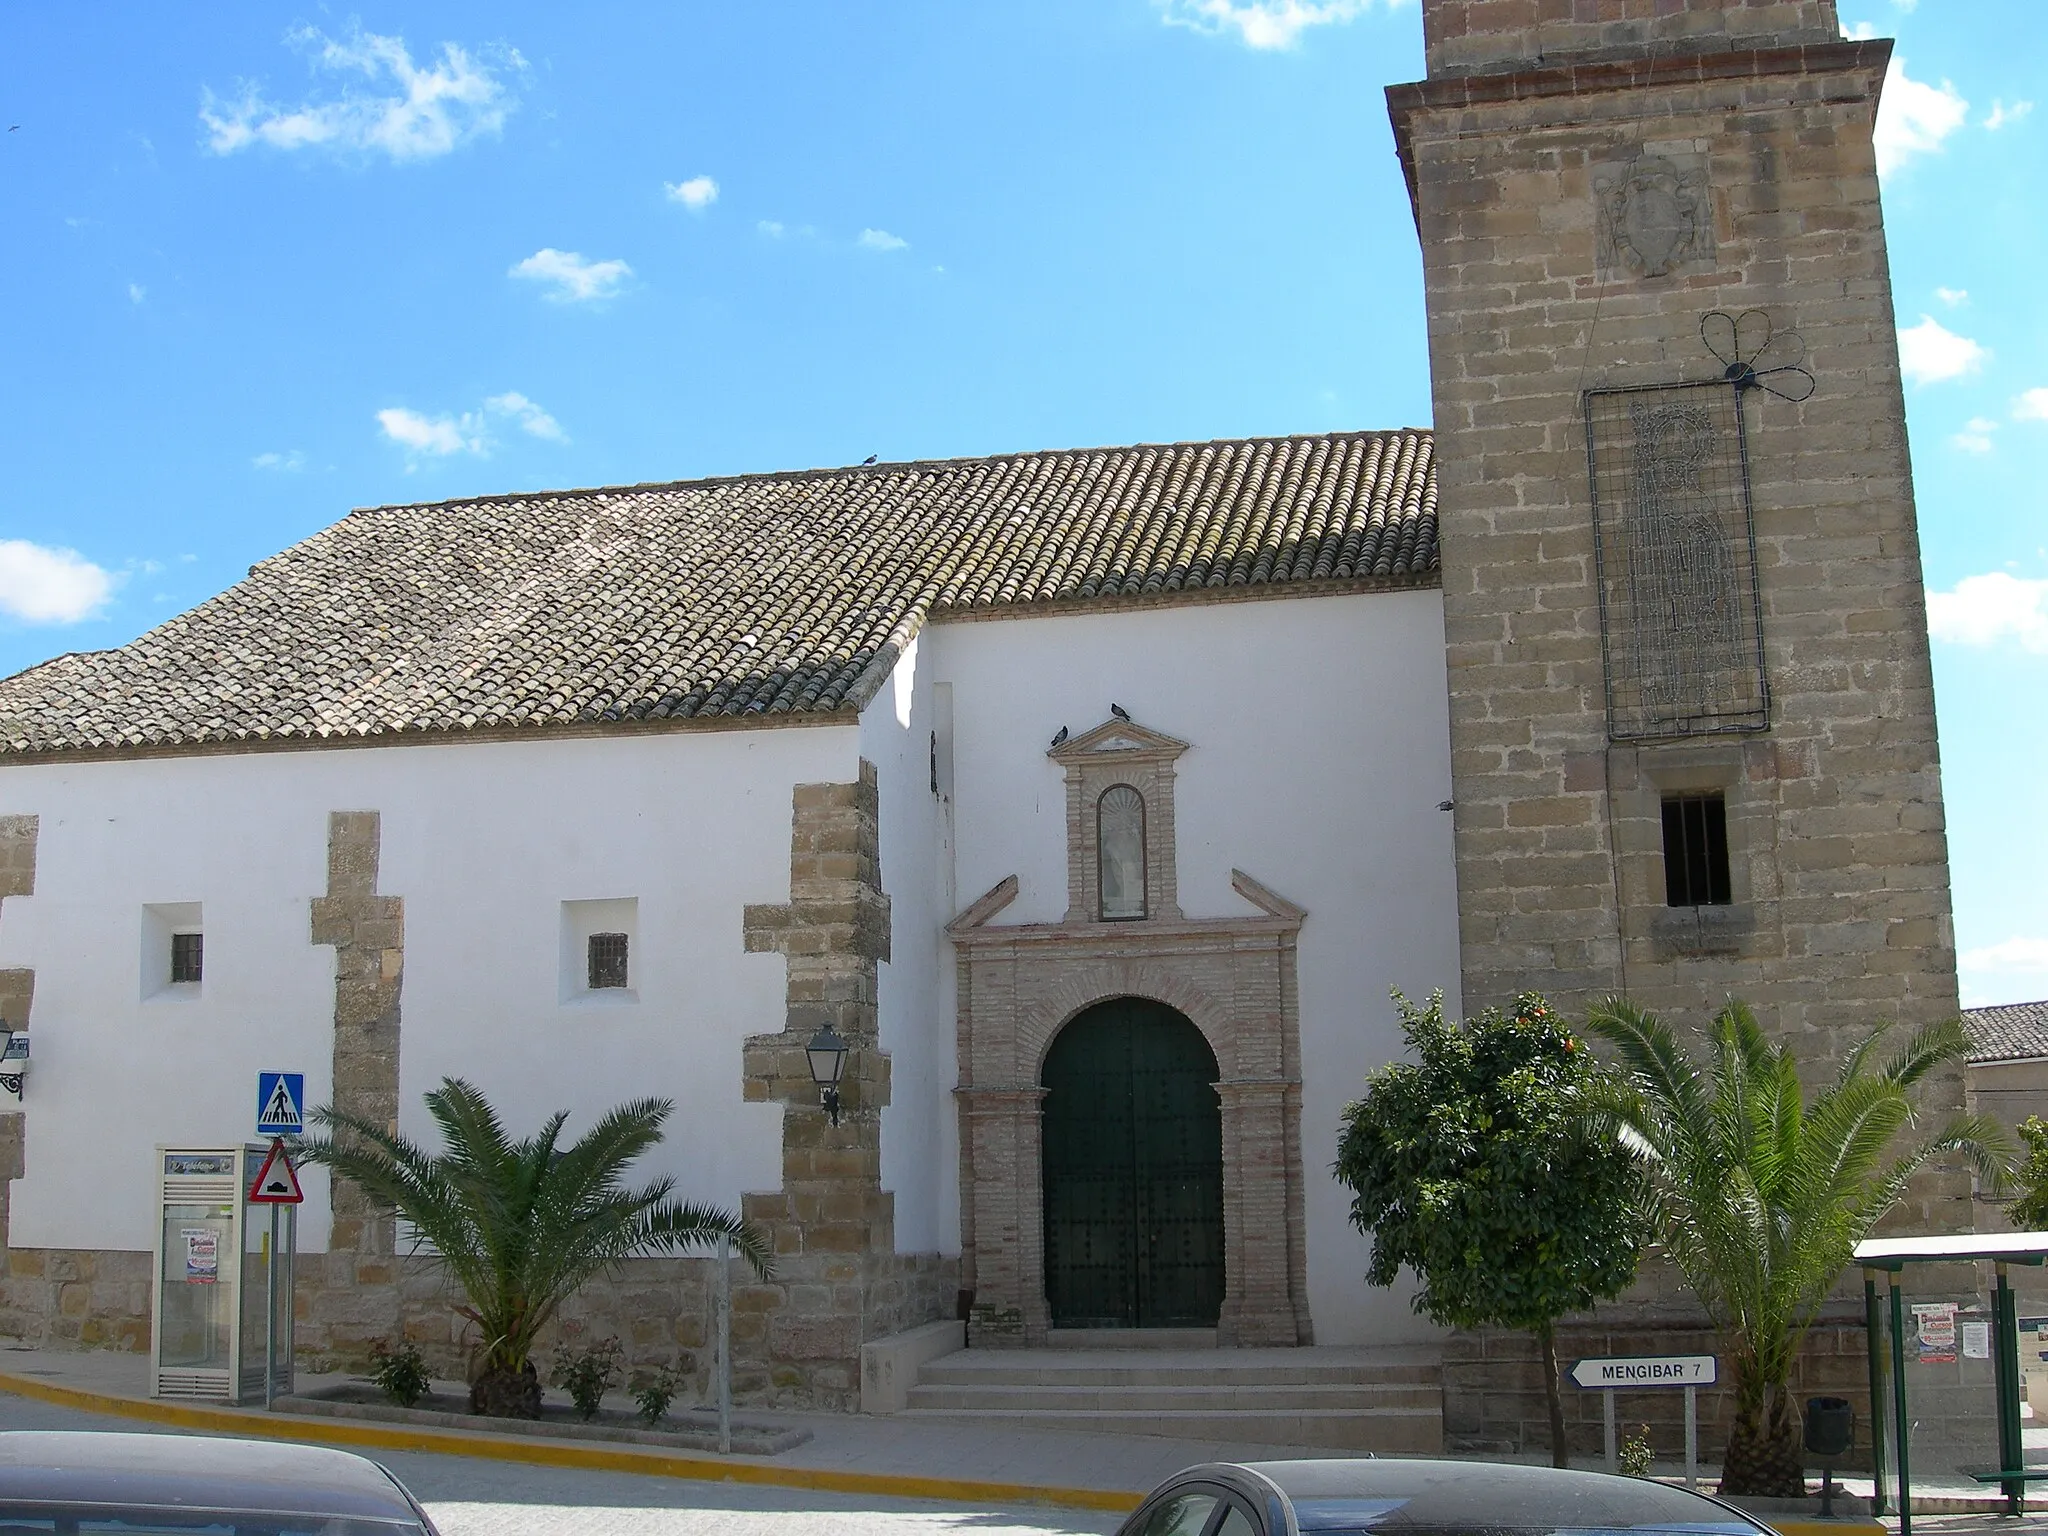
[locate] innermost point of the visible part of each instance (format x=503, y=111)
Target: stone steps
x=1389, y=1401
x=1132, y=1397
x=1398, y=1432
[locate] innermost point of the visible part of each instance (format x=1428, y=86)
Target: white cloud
x=696, y=194
x=531, y=418
x=43, y=585
x=137, y=293
x=1976, y=435
x=2030, y=405
x=2009, y=955
x=576, y=278
x=774, y=229
x=439, y=436
x=2000, y=114
x=881, y=240
x=1913, y=117
x=1952, y=296
x=387, y=105
x=285, y=463
x=1261, y=24
x=1861, y=32
x=1930, y=353
x=1983, y=610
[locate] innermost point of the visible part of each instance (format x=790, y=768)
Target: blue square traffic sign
x=280, y=1103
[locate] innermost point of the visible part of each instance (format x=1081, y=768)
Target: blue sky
x=264, y=264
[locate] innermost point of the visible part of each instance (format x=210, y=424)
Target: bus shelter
x=1958, y=1346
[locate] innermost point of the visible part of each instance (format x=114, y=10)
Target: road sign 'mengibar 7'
x=1645, y=1371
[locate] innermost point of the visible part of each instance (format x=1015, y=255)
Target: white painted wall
x=485, y=842
x=1319, y=752
x=920, y=1137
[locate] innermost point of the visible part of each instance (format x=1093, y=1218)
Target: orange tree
x=1475, y=1166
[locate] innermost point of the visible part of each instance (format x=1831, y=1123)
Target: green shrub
x=1635, y=1454
x=400, y=1374
x=654, y=1395
x=587, y=1374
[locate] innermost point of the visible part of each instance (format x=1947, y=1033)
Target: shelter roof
x=2008, y=1031
x=1898, y=1252
x=755, y=596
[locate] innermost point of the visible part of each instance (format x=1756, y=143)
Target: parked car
x=1376, y=1497
x=153, y=1485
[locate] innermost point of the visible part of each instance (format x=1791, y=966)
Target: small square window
x=188, y=957
x=1696, y=851
x=607, y=960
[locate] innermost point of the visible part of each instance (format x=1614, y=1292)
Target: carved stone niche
x=1118, y=753
x=1233, y=977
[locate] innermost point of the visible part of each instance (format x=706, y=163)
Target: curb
x=555, y=1453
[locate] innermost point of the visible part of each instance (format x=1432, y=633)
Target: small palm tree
x=1760, y=1197
x=521, y=1225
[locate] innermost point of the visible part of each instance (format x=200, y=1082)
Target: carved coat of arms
x=1654, y=216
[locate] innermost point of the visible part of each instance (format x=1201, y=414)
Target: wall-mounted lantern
x=827, y=1053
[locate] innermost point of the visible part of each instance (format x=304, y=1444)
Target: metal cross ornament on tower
x=1674, y=536
x=1743, y=341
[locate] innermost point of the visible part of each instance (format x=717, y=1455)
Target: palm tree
x=521, y=1225
x=1760, y=1197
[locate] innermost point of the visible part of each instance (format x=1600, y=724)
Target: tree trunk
x=498, y=1393
x=1560, y=1453
x=1766, y=1452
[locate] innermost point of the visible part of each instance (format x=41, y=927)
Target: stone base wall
x=660, y=1310
x=1494, y=1401
x=75, y=1298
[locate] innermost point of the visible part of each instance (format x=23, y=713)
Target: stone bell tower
x=1692, y=715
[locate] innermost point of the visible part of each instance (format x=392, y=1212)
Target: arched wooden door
x=1133, y=1166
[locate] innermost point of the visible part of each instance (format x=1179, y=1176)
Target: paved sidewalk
x=921, y=1452
x=920, y=1458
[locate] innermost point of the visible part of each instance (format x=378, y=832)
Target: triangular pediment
x=1123, y=740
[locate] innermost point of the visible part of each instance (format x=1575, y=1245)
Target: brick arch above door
x=1234, y=978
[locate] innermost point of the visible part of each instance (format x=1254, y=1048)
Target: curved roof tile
x=756, y=595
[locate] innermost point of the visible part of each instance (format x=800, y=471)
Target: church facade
x=1096, y=799
x=977, y=758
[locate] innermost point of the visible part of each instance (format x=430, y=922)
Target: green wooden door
x=1133, y=1169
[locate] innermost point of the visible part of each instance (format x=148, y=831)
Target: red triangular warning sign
x=277, y=1181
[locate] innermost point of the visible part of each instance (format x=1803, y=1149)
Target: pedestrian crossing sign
x=280, y=1103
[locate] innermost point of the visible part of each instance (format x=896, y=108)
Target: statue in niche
x=1655, y=216
x=1120, y=851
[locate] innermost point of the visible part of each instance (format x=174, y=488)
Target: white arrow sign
x=1632, y=1372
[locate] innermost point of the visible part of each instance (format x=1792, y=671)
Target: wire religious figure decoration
x=1674, y=538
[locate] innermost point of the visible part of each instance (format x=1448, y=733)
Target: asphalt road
x=479, y=1498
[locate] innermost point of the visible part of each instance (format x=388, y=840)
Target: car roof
x=197, y=1472
x=1473, y=1494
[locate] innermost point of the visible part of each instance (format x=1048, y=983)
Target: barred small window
x=607, y=960
x=188, y=956
x=1696, y=851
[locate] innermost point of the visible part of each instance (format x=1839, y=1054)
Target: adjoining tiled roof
x=2008, y=1031
x=758, y=595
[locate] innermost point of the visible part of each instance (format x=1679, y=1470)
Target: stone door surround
x=1233, y=977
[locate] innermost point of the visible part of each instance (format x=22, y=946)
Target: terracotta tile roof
x=758, y=595
x=2008, y=1031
